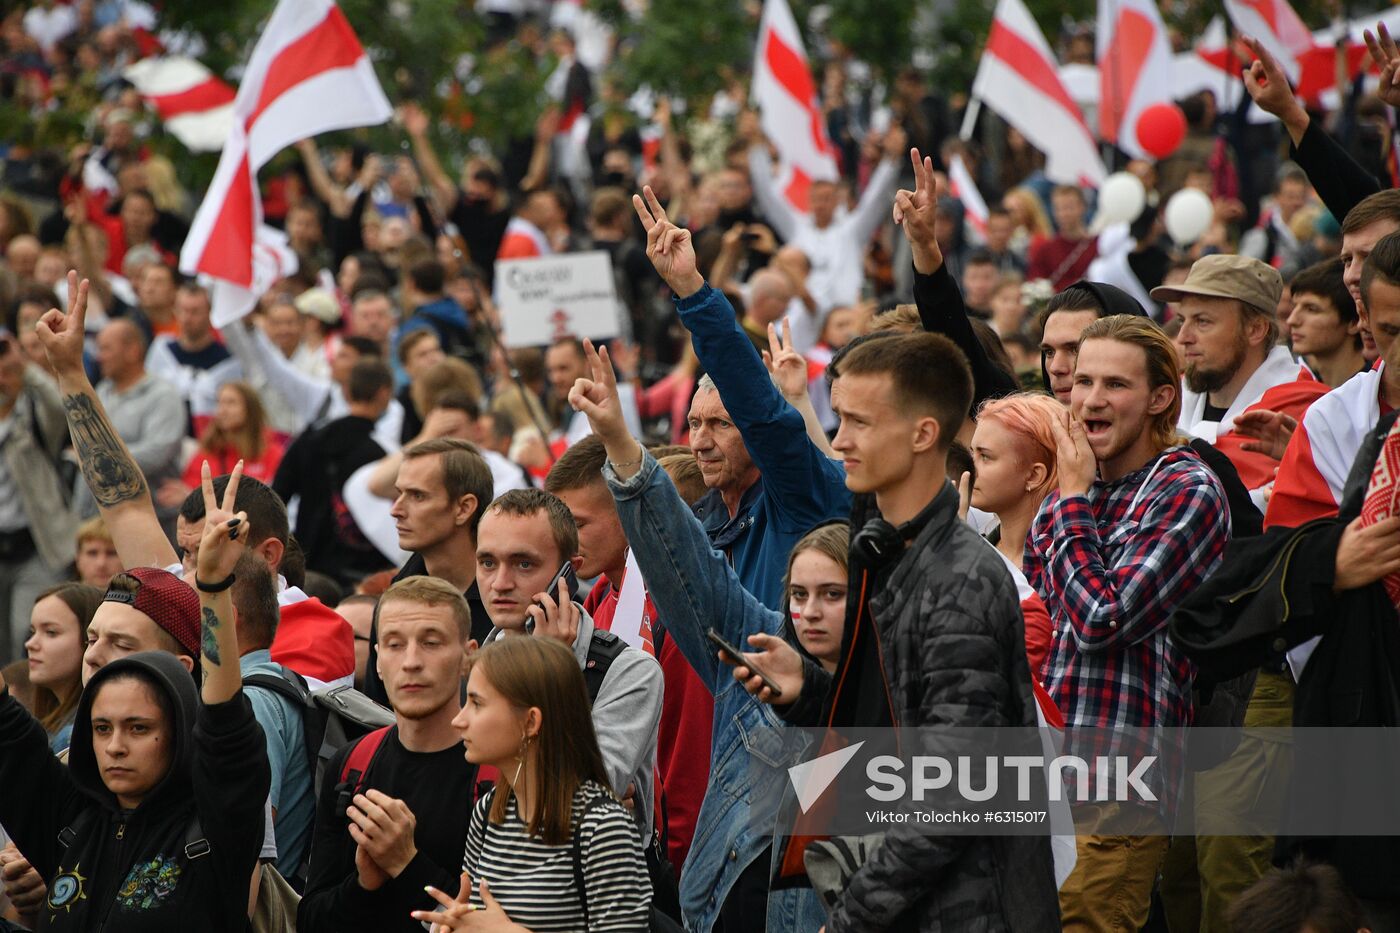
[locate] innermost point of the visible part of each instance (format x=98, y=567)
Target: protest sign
x=548, y=297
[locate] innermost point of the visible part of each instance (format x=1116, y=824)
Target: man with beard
x=1234, y=362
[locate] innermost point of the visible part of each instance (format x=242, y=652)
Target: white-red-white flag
x=308, y=74
x=1135, y=69
x=789, y=111
x=964, y=188
x=1018, y=78
x=1278, y=28
x=195, y=105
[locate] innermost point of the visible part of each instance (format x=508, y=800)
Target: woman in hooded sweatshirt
x=157, y=822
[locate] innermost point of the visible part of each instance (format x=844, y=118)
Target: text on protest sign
x=546, y=298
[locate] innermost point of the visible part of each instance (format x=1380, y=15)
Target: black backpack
x=330, y=718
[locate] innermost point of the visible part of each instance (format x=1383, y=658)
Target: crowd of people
x=922, y=474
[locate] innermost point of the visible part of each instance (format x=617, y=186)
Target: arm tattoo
x=108, y=469
x=210, y=639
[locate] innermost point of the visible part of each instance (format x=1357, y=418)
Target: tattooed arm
x=108, y=468
x=224, y=542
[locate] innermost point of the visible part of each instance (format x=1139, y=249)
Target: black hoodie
x=128, y=869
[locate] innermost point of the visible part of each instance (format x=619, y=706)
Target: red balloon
x=1160, y=129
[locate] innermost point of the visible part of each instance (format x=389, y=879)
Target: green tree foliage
x=682, y=47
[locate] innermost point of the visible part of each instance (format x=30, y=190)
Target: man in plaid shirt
x=1138, y=522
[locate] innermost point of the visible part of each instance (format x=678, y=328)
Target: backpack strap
x=603, y=650
x=589, y=807
x=196, y=846
x=294, y=691
x=357, y=763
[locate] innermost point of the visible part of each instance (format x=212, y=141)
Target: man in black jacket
x=318, y=463
x=938, y=622
x=403, y=824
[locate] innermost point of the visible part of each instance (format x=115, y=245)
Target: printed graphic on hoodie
x=67, y=890
x=147, y=885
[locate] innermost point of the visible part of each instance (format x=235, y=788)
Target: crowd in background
x=413, y=492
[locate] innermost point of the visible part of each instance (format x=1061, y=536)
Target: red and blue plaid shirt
x=1112, y=566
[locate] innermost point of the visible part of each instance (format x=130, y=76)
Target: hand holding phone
x=554, y=613
x=732, y=655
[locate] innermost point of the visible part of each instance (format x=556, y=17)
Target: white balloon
x=1121, y=199
x=1188, y=216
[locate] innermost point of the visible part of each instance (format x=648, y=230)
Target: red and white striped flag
x=1135, y=69
x=1017, y=78
x=1278, y=28
x=789, y=112
x=964, y=188
x=308, y=74
x=196, y=106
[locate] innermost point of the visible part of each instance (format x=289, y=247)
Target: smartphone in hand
x=562, y=588
x=735, y=657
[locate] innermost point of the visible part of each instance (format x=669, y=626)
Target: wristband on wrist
x=628, y=463
x=215, y=587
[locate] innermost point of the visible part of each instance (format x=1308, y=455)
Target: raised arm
x=306, y=395
x=1340, y=181
x=691, y=584
x=940, y=303
x=807, y=486
x=110, y=471
x=321, y=182
x=870, y=210
x=771, y=203
x=415, y=124
x=789, y=371
x=224, y=542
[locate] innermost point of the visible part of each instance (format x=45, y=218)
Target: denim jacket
x=694, y=588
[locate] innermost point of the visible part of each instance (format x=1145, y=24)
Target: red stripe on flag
x=206, y=95
x=330, y=44
x=788, y=66
x=228, y=253
x=1121, y=67
x=797, y=188
x=1024, y=59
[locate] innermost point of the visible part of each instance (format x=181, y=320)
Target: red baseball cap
x=167, y=600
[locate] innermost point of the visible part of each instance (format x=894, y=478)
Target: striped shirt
x=534, y=882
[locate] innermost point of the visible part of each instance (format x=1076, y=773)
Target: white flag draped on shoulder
x=788, y=110
x=1018, y=79
x=308, y=74
x=1135, y=69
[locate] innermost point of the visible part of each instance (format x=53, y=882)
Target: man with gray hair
x=770, y=294
x=768, y=483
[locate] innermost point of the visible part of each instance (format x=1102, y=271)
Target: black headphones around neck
x=878, y=543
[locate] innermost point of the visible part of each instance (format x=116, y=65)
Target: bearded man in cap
x=1238, y=380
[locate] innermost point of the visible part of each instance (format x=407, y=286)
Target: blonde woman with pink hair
x=1013, y=449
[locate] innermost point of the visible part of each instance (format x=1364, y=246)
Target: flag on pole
x=308, y=74
x=1278, y=28
x=195, y=105
x=789, y=111
x=1135, y=69
x=1017, y=78
x=964, y=188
